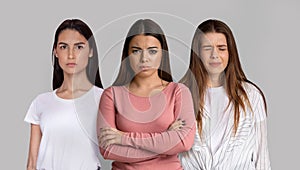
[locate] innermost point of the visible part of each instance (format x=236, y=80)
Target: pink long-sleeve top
x=147, y=143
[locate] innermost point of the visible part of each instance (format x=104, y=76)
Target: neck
x=146, y=82
x=73, y=82
x=216, y=80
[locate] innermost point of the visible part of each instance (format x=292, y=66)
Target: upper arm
x=106, y=112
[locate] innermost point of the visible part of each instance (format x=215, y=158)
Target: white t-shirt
x=68, y=126
x=219, y=148
x=216, y=104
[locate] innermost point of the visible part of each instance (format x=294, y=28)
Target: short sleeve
x=32, y=115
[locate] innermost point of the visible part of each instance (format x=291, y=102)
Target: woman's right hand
x=177, y=125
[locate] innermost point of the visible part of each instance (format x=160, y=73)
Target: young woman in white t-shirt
x=63, y=122
x=230, y=109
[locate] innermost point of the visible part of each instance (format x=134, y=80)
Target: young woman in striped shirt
x=230, y=109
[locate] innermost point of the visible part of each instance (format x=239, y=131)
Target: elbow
x=189, y=141
x=104, y=153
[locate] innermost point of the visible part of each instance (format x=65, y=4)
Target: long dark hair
x=92, y=69
x=197, y=76
x=145, y=27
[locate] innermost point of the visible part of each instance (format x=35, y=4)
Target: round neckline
x=216, y=89
x=71, y=100
x=129, y=92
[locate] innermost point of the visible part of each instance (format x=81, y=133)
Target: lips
x=71, y=64
x=215, y=64
x=144, y=68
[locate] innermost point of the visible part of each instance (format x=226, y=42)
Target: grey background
x=267, y=35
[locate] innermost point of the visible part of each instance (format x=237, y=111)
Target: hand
x=109, y=136
x=177, y=125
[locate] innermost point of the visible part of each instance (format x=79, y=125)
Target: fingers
x=108, y=140
x=177, y=125
x=108, y=136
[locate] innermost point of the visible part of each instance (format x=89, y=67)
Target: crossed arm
x=139, y=146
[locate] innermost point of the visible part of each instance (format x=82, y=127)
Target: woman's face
x=214, y=53
x=72, y=51
x=145, y=55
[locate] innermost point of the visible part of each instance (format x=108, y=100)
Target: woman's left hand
x=109, y=136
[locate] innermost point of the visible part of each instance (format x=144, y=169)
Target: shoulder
x=174, y=88
x=179, y=86
x=256, y=100
x=44, y=96
x=98, y=90
x=113, y=90
x=251, y=90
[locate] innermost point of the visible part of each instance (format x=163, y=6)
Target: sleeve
x=33, y=116
x=169, y=142
x=106, y=118
x=261, y=154
x=195, y=158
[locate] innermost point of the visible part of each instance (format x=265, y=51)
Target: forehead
x=70, y=35
x=214, y=38
x=144, y=41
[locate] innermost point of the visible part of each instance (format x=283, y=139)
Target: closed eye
x=207, y=48
x=222, y=47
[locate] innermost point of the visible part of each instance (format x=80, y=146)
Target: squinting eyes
x=211, y=48
x=207, y=48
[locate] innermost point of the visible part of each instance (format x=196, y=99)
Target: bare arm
x=35, y=139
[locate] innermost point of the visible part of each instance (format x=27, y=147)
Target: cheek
x=225, y=59
x=157, y=60
x=133, y=62
x=204, y=58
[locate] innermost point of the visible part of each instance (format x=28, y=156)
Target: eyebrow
x=147, y=48
x=206, y=45
x=79, y=43
x=222, y=45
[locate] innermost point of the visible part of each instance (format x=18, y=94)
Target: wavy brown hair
x=196, y=78
x=145, y=27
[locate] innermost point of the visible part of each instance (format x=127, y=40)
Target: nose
x=214, y=53
x=71, y=54
x=144, y=56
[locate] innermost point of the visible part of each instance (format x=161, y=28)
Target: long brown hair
x=92, y=69
x=196, y=78
x=145, y=27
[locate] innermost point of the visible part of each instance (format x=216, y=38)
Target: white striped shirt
x=220, y=149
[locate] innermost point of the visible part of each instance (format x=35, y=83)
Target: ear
x=54, y=52
x=91, y=53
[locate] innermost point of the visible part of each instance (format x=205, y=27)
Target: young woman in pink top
x=136, y=115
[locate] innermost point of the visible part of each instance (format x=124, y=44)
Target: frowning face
x=214, y=53
x=145, y=55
